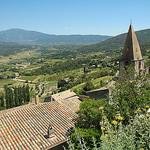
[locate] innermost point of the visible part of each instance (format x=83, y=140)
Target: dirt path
x=33, y=68
x=20, y=80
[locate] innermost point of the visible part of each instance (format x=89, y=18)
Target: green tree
x=16, y=97
x=20, y=95
x=101, y=83
x=2, y=100
x=89, y=113
x=23, y=92
x=88, y=86
x=129, y=102
x=27, y=93
x=61, y=83
x=129, y=95
x=7, y=96
x=11, y=97
x=89, y=120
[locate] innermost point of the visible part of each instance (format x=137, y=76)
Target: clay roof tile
x=26, y=126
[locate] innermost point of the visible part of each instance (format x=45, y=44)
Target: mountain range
x=116, y=42
x=20, y=36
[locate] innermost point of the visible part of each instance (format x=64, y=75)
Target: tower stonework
x=131, y=56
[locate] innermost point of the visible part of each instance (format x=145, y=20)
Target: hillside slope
x=116, y=42
x=37, y=38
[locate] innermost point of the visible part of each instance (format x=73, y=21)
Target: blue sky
x=104, y=17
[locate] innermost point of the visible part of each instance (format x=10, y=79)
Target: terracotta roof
x=16, y=74
x=131, y=49
x=69, y=99
x=25, y=127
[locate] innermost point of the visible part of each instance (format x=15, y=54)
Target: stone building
x=67, y=98
x=131, y=56
x=103, y=92
x=97, y=94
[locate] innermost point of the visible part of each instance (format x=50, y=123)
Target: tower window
x=139, y=65
x=126, y=65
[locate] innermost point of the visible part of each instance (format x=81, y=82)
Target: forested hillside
x=116, y=42
x=37, y=38
x=7, y=49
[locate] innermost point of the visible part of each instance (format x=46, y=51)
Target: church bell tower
x=131, y=56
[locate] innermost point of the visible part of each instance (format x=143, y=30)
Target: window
x=126, y=65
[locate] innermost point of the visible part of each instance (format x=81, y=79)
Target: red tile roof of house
x=69, y=99
x=25, y=127
x=16, y=74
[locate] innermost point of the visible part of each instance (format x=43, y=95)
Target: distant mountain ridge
x=21, y=36
x=116, y=42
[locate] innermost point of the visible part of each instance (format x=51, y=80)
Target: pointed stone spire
x=131, y=56
x=131, y=49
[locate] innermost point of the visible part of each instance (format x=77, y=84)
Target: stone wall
x=98, y=94
x=60, y=147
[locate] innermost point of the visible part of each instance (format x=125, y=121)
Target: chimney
x=50, y=132
x=36, y=98
x=50, y=98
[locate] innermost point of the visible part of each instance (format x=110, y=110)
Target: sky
x=65, y=17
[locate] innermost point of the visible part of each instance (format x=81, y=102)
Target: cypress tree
x=16, y=96
x=2, y=100
x=6, y=96
x=27, y=93
x=24, y=94
x=0, y=103
x=20, y=95
x=11, y=97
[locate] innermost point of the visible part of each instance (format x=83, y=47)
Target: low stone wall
x=60, y=147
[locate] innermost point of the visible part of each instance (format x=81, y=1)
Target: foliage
x=15, y=96
x=122, y=123
x=89, y=116
x=89, y=113
x=118, y=136
x=61, y=83
x=28, y=78
x=130, y=95
x=60, y=66
x=6, y=82
x=7, y=49
x=88, y=86
x=115, y=43
x=1, y=101
x=145, y=48
x=80, y=137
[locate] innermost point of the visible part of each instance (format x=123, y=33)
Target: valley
x=43, y=68
x=51, y=69
x=74, y=75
